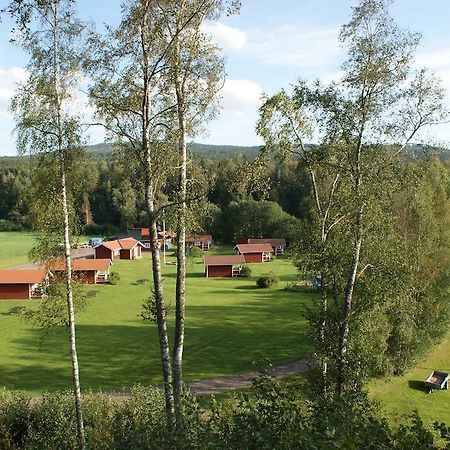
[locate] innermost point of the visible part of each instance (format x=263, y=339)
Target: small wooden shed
x=22, y=283
x=278, y=245
x=254, y=253
x=90, y=271
x=223, y=265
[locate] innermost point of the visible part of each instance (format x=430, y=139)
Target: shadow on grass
x=417, y=385
x=188, y=275
x=247, y=287
x=221, y=339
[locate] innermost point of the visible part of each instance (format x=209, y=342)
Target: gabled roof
x=128, y=243
x=111, y=245
x=18, y=276
x=199, y=238
x=253, y=248
x=223, y=260
x=119, y=244
x=272, y=241
x=80, y=264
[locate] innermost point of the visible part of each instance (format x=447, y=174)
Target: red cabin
x=90, y=271
x=128, y=248
x=278, y=245
x=22, y=284
x=254, y=253
x=223, y=265
x=204, y=242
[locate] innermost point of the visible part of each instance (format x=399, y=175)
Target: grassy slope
x=402, y=395
x=230, y=324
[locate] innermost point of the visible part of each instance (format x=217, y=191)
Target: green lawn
x=230, y=325
x=14, y=248
x=402, y=395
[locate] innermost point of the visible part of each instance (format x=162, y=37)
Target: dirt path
x=233, y=382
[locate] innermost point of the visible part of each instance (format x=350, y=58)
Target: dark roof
x=223, y=260
x=202, y=238
x=22, y=276
x=253, y=248
x=272, y=241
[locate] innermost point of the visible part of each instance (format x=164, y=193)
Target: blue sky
x=268, y=46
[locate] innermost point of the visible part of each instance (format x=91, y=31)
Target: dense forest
x=237, y=180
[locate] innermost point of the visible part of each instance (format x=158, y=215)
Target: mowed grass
x=403, y=395
x=14, y=248
x=231, y=327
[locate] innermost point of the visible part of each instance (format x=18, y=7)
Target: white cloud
x=435, y=59
x=241, y=95
x=226, y=36
x=8, y=82
x=296, y=46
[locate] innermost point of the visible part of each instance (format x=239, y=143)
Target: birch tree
x=152, y=89
x=364, y=123
x=49, y=31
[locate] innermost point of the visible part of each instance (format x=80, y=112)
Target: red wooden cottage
x=22, y=284
x=204, y=242
x=90, y=271
x=278, y=245
x=223, y=265
x=254, y=253
x=128, y=248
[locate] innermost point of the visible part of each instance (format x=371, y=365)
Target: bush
x=7, y=225
x=113, y=278
x=246, y=272
x=93, y=229
x=267, y=280
x=195, y=252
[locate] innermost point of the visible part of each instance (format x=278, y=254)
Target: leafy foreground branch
x=271, y=415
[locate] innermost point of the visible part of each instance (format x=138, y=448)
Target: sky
x=267, y=47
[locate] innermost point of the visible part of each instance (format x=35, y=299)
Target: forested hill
x=104, y=150
x=206, y=150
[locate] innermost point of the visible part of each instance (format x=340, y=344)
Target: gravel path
x=233, y=382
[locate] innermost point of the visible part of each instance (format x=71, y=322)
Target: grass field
x=14, y=248
x=230, y=325
x=402, y=395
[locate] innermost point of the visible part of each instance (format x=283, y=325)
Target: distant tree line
x=236, y=186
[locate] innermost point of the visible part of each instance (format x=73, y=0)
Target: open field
x=230, y=324
x=14, y=248
x=402, y=395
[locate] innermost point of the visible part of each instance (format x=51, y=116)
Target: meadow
x=231, y=327
x=400, y=396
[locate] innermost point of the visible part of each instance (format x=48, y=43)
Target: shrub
x=267, y=280
x=113, y=278
x=8, y=225
x=196, y=252
x=93, y=229
x=246, y=272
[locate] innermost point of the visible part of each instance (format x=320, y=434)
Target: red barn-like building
x=254, y=253
x=22, y=284
x=223, y=265
x=278, y=245
x=90, y=271
x=128, y=248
